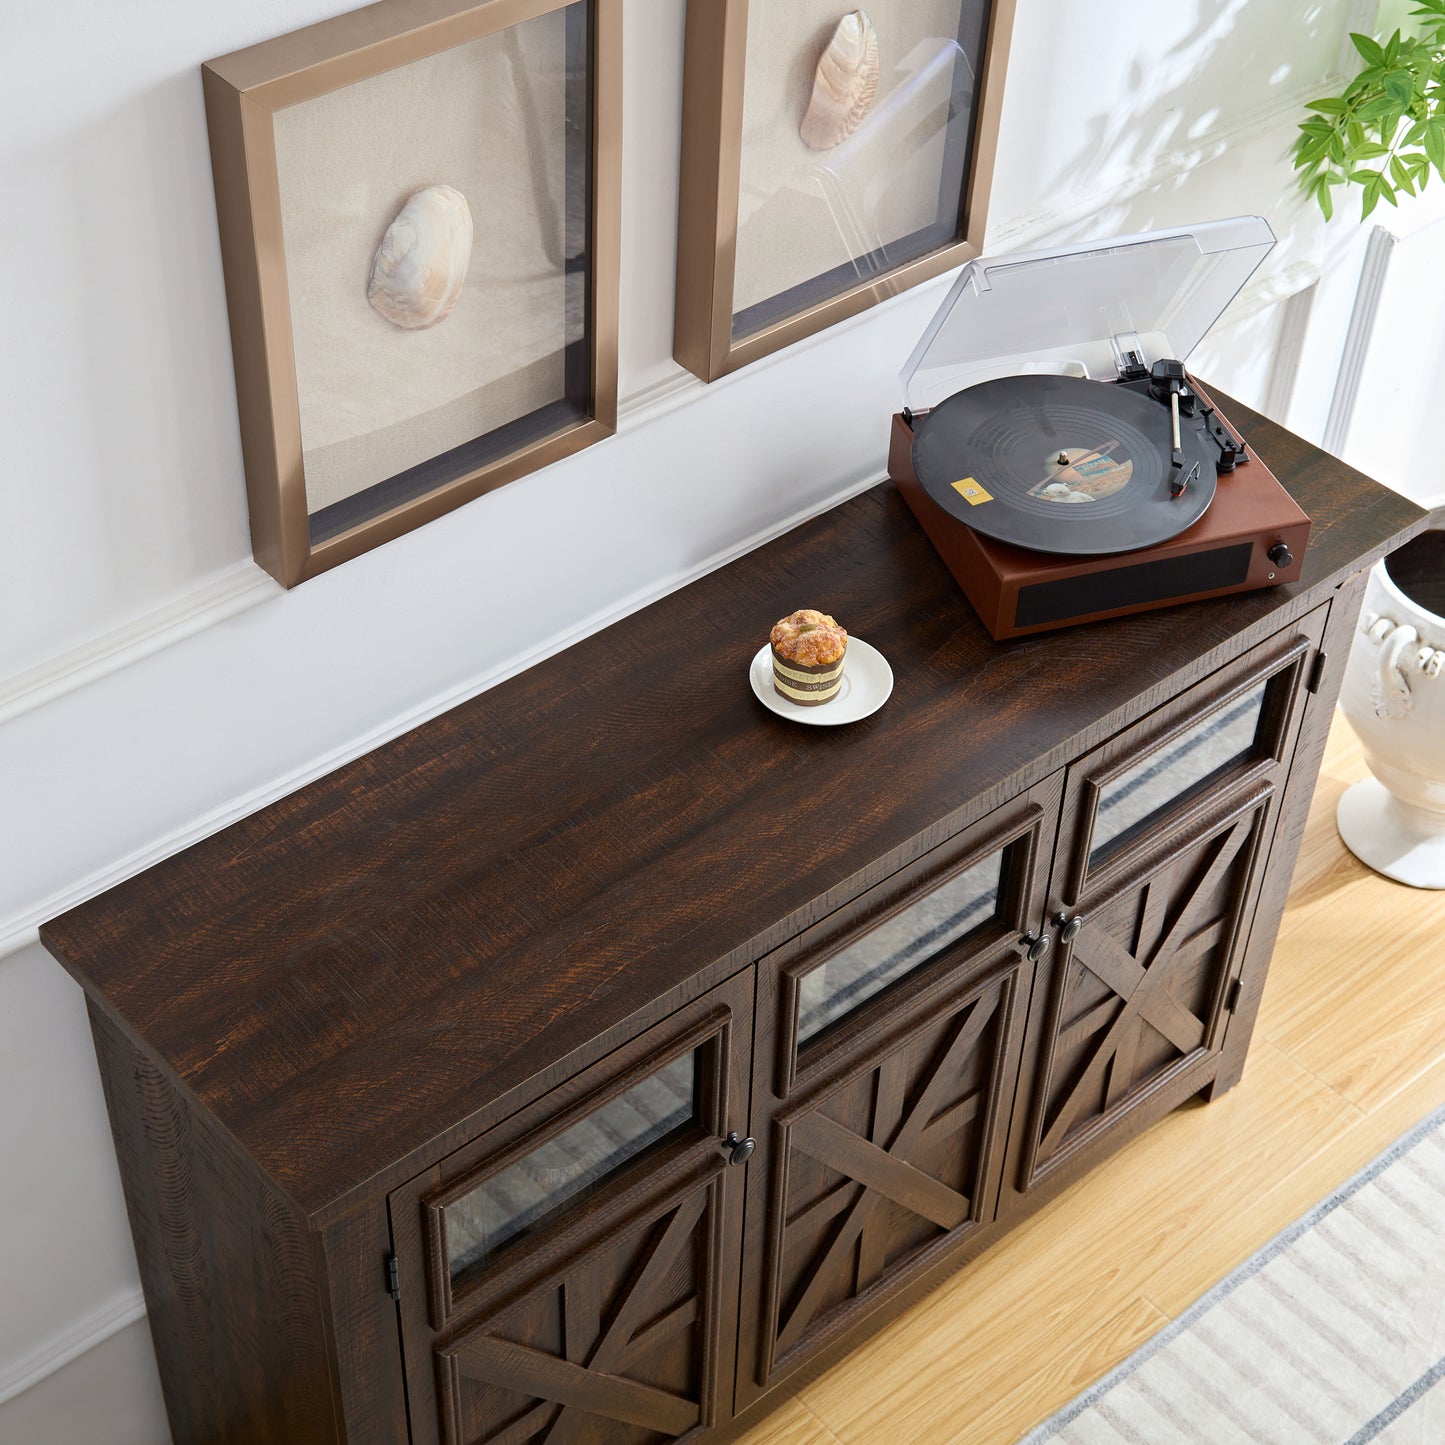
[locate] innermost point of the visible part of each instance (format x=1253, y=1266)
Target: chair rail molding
x=211, y=600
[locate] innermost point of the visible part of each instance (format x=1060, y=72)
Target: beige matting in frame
x=489, y=120
x=803, y=212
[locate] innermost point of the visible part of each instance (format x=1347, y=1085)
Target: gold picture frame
x=732, y=135
x=319, y=140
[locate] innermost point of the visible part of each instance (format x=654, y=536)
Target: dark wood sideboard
x=424, y=1079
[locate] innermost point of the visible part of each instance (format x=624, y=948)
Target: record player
x=1058, y=455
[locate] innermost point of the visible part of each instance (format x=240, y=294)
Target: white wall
x=124, y=533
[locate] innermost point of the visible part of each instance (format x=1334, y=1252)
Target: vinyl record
x=1061, y=464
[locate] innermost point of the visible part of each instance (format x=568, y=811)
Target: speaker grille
x=1144, y=582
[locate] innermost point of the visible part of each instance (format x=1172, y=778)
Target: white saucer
x=867, y=682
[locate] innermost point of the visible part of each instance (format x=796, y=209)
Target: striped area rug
x=1333, y=1334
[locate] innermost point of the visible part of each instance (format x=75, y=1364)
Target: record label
x=1079, y=474
x=1068, y=465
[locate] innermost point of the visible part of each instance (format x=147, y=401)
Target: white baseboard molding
x=20, y=929
x=59, y=1350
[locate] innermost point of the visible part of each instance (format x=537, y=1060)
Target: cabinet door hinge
x=1317, y=673
x=1231, y=998
x=393, y=1277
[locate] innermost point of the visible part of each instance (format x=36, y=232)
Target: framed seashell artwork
x=419, y=213
x=831, y=157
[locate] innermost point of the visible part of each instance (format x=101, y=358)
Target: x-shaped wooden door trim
x=883, y=1169
x=588, y=1381
x=1142, y=986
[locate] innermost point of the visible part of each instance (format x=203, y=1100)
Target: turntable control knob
x=1280, y=555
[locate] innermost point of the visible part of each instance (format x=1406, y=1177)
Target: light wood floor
x=1348, y=1055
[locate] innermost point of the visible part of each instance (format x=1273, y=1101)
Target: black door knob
x=1068, y=927
x=740, y=1150
x=1036, y=948
x=1280, y=555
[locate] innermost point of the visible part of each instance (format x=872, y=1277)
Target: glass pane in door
x=532, y=1190
x=898, y=945
x=1164, y=775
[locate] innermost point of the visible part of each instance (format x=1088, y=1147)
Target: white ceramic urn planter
x=1394, y=697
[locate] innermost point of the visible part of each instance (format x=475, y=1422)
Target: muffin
x=808, y=649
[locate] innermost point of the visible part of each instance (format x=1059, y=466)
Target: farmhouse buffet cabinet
x=602, y=1058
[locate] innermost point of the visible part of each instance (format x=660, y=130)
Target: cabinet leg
x=1228, y=1076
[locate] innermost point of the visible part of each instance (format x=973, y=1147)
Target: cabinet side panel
x=234, y=1281
x=1289, y=830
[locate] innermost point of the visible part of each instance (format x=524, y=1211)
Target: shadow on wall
x=1194, y=123
x=1096, y=144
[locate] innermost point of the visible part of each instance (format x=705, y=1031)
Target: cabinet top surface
x=368, y=962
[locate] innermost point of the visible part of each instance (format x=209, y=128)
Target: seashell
x=844, y=83
x=418, y=270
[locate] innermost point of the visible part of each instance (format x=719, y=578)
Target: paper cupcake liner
x=807, y=686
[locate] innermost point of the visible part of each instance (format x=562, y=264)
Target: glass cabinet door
x=1140, y=993
x=880, y=1171
x=572, y=1272
x=1162, y=850
x=888, y=1043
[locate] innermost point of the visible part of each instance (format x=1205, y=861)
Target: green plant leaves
x=1319, y=188
x=1400, y=87
x=1435, y=143
x=1386, y=131
x=1370, y=49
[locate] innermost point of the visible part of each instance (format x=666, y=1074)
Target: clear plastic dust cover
x=1073, y=311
